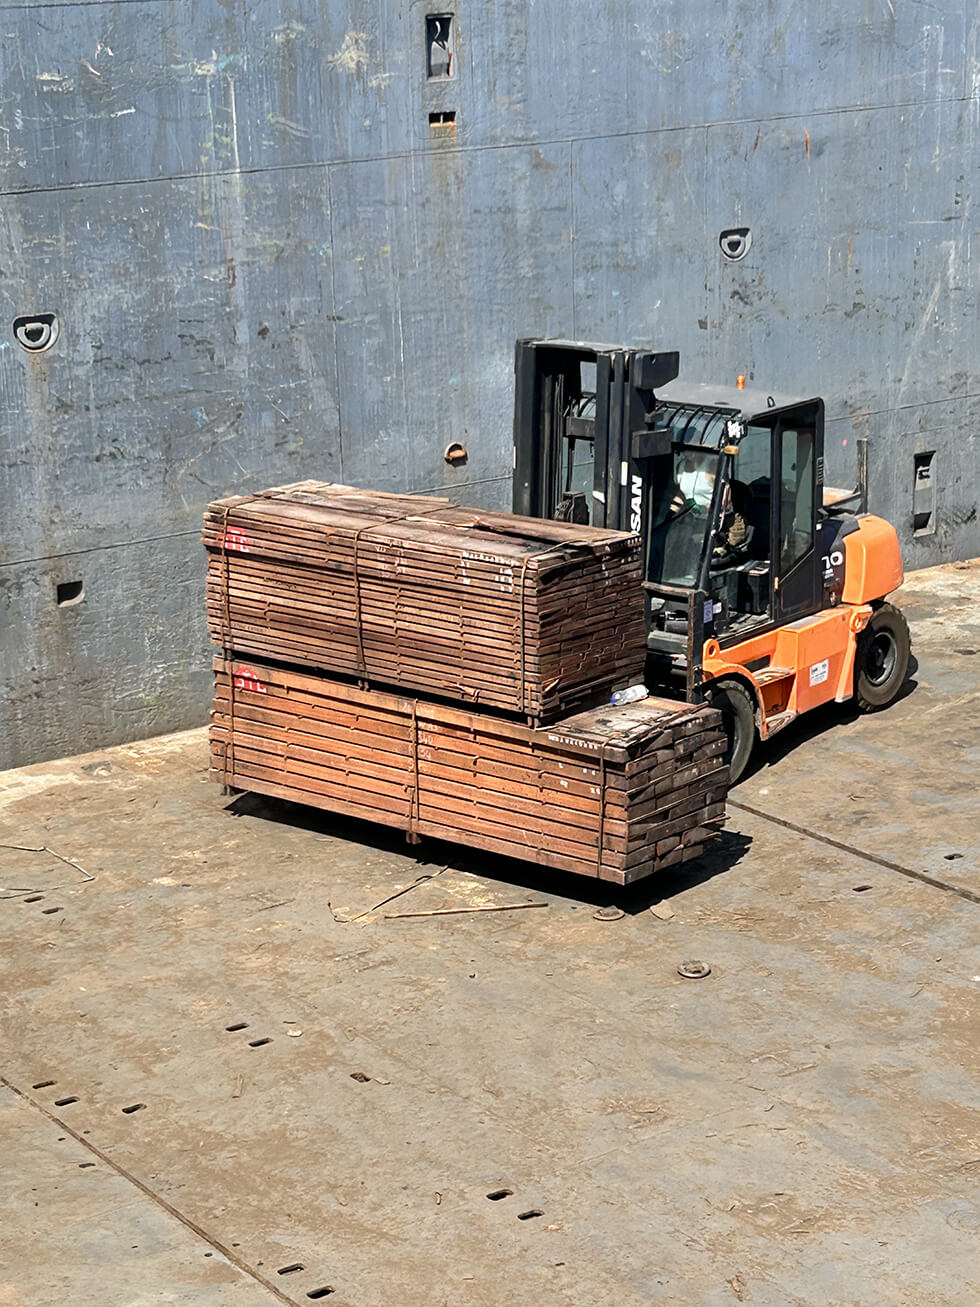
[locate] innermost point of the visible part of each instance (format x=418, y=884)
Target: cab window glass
x=576, y=472
x=752, y=459
x=751, y=495
x=796, y=495
x=680, y=516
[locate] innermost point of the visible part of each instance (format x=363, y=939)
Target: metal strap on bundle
x=414, y=797
x=602, y=808
x=229, y=749
x=538, y=553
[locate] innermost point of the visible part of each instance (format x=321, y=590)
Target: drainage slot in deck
x=34, y=898
x=257, y=1043
x=44, y=1084
x=288, y=1270
x=82, y=1166
x=497, y=1194
x=239, y=1025
x=528, y=1216
x=48, y=911
x=63, y=1102
x=134, y=1107
x=924, y=483
x=323, y=1292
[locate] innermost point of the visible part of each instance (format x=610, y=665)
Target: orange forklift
x=766, y=590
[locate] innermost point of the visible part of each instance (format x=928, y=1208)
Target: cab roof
x=746, y=404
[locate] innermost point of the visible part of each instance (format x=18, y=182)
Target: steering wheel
x=689, y=506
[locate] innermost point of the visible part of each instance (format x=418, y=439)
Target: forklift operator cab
x=713, y=522
x=764, y=591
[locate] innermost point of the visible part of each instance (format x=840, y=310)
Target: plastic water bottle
x=630, y=695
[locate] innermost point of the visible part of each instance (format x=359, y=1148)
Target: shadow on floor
x=814, y=723
x=722, y=854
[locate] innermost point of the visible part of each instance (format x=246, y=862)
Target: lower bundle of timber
x=613, y=792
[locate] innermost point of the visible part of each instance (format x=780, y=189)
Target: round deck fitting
x=608, y=914
x=694, y=970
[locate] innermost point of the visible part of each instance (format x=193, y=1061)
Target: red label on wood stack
x=246, y=679
x=234, y=540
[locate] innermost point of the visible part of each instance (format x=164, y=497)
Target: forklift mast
x=572, y=393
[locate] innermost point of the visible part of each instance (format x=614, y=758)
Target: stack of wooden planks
x=448, y=672
x=511, y=613
x=612, y=792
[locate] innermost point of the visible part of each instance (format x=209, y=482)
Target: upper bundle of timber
x=513, y=613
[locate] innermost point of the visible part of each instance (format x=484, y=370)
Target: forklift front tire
x=737, y=709
x=881, y=661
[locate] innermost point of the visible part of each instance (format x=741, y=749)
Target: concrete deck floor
x=218, y=1091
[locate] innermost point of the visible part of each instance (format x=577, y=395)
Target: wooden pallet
x=614, y=793
x=519, y=614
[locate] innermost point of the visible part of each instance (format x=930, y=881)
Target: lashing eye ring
x=735, y=243
x=36, y=332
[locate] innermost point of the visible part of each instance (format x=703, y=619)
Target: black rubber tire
x=881, y=661
x=737, y=708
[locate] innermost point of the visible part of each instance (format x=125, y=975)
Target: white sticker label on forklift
x=709, y=612
x=819, y=672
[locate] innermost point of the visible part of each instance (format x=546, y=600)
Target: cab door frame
x=798, y=592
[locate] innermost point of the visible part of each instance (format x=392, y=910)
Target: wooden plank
x=619, y=732
x=551, y=795
x=528, y=616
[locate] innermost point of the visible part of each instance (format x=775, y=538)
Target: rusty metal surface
x=105, y=1240
x=486, y=1107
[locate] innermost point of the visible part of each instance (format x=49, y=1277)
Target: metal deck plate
x=803, y=1124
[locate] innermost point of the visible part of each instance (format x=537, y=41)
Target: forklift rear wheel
x=737, y=709
x=881, y=661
